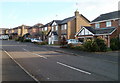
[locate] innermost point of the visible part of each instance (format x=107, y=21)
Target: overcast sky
x=29, y=12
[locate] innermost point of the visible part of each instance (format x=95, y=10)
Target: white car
x=73, y=41
x=4, y=37
x=35, y=40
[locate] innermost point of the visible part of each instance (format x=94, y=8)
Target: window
x=52, y=28
x=108, y=23
x=62, y=28
x=65, y=26
x=56, y=28
x=45, y=28
x=42, y=29
x=97, y=25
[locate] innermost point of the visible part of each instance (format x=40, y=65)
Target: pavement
x=46, y=64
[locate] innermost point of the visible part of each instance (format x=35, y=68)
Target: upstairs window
x=62, y=27
x=56, y=28
x=97, y=25
x=108, y=24
x=45, y=28
x=52, y=28
x=65, y=26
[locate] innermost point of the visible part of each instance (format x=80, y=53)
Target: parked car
x=73, y=41
x=35, y=40
x=4, y=37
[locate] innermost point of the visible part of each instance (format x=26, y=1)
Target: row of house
x=106, y=26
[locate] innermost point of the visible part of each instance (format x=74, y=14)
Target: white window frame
x=52, y=28
x=65, y=26
x=97, y=25
x=108, y=24
x=45, y=28
x=56, y=28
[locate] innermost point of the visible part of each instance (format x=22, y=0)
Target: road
x=12, y=72
x=48, y=65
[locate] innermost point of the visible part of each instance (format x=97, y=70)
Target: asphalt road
x=47, y=65
x=12, y=72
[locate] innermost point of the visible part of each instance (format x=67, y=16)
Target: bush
x=115, y=44
x=109, y=49
x=26, y=40
x=79, y=48
x=90, y=46
x=96, y=45
x=16, y=39
x=63, y=42
x=101, y=44
x=70, y=45
x=42, y=43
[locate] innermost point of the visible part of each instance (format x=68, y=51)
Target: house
x=18, y=31
x=34, y=30
x=45, y=29
x=66, y=28
x=6, y=31
x=2, y=31
x=53, y=35
x=105, y=26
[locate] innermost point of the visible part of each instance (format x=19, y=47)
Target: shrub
x=70, y=45
x=63, y=42
x=101, y=44
x=16, y=39
x=115, y=44
x=42, y=43
x=26, y=40
x=96, y=45
x=109, y=49
x=90, y=46
x=79, y=48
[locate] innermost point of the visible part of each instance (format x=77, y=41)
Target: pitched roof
x=67, y=19
x=100, y=31
x=107, y=30
x=57, y=21
x=46, y=25
x=91, y=29
x=107, y=16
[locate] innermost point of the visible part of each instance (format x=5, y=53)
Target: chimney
x=77, y=16
x=76, y=13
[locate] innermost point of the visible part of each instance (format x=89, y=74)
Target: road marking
x=21, y=66
x=35, y=54
x=74, y=68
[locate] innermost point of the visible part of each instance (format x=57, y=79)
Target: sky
x=14, y=13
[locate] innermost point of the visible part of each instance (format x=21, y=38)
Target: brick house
x=67, y=28
x=2, y=31
x=17, y=31
x=35, y=30
x=106, y=26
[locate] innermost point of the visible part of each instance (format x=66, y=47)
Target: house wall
x=19, y=31
x=71, y=29
x=103, y=24
x=115, y=23
x=80, y=21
